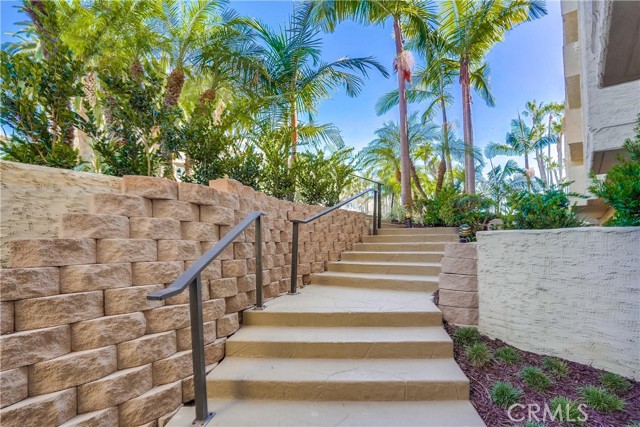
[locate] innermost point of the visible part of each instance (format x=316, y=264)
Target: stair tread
x=396, y=252
x=269, y=413
x=408, y=263
x=381, y=276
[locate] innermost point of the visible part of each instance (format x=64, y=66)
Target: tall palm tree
x=410, y=18
x=298, y=79
x=471, y=28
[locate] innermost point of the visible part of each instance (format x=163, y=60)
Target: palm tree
x=471, y=28
x=412, y=18
x=297, y=77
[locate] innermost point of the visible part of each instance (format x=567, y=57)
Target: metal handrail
x=297, y=222
x=191, y=278
x=379, y=187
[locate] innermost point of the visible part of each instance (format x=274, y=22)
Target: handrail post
x=294, y=259
x=379, y=205
x=258, y=248
x=374, y=225
x=197, y=339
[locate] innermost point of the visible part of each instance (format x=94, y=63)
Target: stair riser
x=391, y=257
x=398, y=247
x=339, y=390
x=377, y=283
x=382, y=268
x=411, y=238
x=354, y=319
x=340, y=350
x=413, y=231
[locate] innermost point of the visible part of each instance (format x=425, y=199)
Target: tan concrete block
x=460, y=250
x=106, y=331
x=119, y=204
x=151, y=405
x=176, y=367
x=213, y=309
x=14, y=386
x=146, y=349
x=149, y=187
x=272, y=290
x=234, y=268
x=237, y=303
x=184, y=335
x=126, y=250
x=173, y=209
x=458, y=282
x=71, y=370
x=130, y=300
x=57, y=310
x=229, y=200
x=459, y=265
x=93, y=226
x=7, y=317
x=149, y=273
x=23, y=283
x=458, y=298
x=178, y=250
x=459, y=316
x=246, y=283
x=198, y=194
x=212, y=272
x=243, y=250
x=227, y=325
x=51, y=252
x=214, y=352
x=295, y=216
x=103, y=418
x=167, y=318
x=94, y=277
x=199, y=231
x=154, y=228
x=114, y=389
x=226, y=185
x=39, y=411
x=26, y=348
x=218, y=215
x=222, y=288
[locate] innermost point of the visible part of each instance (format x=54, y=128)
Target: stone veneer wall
x=81, y=345
x=458, y=295
x=572, y=293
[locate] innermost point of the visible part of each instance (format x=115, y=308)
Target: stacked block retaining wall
x=458, y=295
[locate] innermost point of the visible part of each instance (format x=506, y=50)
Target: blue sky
x=526, y=66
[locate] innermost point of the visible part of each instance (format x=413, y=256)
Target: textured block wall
x=81, y=345
x=458, y=295
x=572, y=293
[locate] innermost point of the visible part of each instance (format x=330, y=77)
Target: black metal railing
x=379, y=188
x=191, y=278
x=296, y=228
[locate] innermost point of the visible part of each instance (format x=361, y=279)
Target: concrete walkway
x=363, y=345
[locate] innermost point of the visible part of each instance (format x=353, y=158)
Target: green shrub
x=466, y=335
x=504, y=394
x=557, y=367
x=320, y=179
x=478, y=355
x=615, y=383
x=535, y=378
x=601, y=400
x=621, y=187
x=566, y=410
x=508, y=355
x=451, y=208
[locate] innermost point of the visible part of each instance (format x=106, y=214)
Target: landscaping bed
x=535, y=379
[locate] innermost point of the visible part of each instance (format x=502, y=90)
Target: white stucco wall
x=572, y=293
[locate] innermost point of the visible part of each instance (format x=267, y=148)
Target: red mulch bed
x=482, y=379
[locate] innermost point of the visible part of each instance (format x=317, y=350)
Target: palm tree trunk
x=445, y=136
x=442, y=170
x=414, y=175
x=294, y=135
x=526, y=170
x=469, y=161
x=560, y=160
x=405, y=161
x=541, y=167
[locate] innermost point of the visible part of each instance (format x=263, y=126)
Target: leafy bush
x=508, y=355
x=535, y=378
x=320, y=179
x=466, y=335
x=566, y=410
x=504, y=394
x=621, y=187
x=615, y=383
x=478, y=355
x=557, y=367
x=541, y=210
x=601, y=400
x=450, y=208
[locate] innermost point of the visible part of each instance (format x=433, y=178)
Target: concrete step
x=386, y=268
x=340, y=342
x=338, y=379
x=399, y=247
x=270, y=413
x=401, y=238
x=322, y=306
x=392, y=256
x=416, y=231
x=397, y=282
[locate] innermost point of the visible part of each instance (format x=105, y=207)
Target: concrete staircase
x=362, y=345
